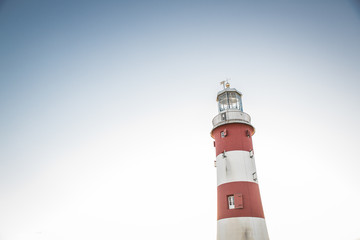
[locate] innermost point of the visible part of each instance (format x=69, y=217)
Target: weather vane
x=225, y=83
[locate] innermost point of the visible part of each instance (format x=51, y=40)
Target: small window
x=254, y=176
x=235, y=201
x=231, y=202
x=251, y=152
x=223, y=133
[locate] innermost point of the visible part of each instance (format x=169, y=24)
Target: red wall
x=236, y=138
x=252, y=206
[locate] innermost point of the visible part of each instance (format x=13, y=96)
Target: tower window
x=235, y=201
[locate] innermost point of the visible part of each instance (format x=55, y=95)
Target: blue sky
x=102, y=100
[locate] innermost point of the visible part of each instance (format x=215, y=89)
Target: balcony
x=231, y=116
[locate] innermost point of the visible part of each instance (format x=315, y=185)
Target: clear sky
x=106, y=109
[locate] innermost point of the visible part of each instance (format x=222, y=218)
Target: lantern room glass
x=230, y=100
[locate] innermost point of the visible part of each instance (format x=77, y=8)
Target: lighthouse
x=240, y=214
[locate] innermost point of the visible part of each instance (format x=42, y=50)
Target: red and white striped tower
x=239, y=209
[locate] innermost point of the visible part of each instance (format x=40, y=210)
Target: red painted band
x=236, y=136
x=251, y=200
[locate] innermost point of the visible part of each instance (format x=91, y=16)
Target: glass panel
x=231, y=202
x=233, y=100
x=240, y=103
x=223, y=103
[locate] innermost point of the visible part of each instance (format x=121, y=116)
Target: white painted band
x=242, y=228
x=235, y=166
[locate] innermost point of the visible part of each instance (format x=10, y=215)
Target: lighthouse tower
x=240, y=213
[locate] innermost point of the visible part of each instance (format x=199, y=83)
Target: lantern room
x=229, y=98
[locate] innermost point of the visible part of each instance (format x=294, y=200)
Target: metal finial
x=227, y=85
